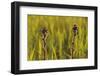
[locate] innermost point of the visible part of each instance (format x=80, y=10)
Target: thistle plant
x=75, y=33
x=44, y=38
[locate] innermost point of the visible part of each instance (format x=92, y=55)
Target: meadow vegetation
x=58, y=43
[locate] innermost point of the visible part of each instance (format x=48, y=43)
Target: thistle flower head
x=44, y=30
x=75, y=29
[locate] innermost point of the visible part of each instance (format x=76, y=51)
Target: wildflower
x=44, y=33
x=75, y=29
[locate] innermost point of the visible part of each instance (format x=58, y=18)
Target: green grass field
x=59, y=41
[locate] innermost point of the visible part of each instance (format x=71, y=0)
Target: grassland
x=59, y=39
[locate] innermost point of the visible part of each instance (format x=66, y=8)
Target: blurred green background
x=59, y=39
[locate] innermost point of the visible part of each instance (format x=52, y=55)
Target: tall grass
x=59, y=40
